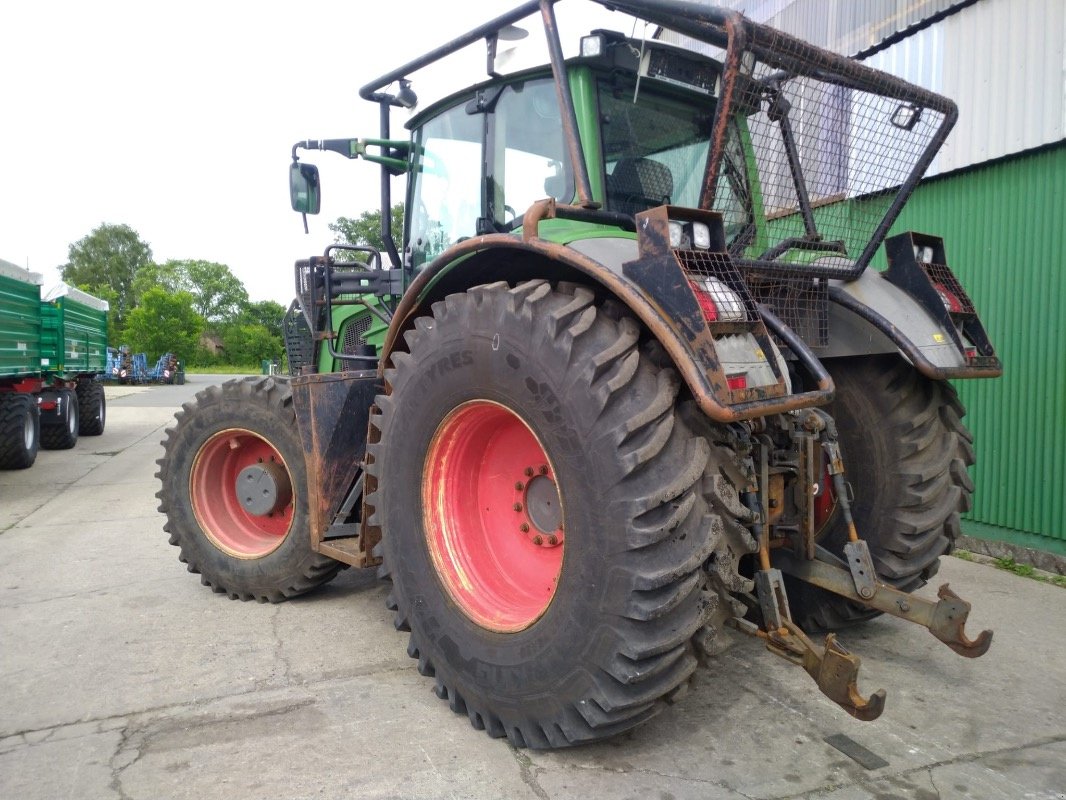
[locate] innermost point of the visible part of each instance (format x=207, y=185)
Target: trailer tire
x=906, y=453
x=92, y=408
x=219, y=439
x=62, y=433
x=587, y=632
x=20, y=430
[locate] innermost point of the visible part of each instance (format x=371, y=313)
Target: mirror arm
x=392, y=152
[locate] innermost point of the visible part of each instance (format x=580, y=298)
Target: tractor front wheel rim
x=233, y=522
x=493, y=516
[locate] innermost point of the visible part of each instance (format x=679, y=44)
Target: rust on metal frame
x=332, y=412
x=736, y=35
x=945, y=618
x=687, y=341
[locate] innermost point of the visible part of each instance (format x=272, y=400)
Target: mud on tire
x=612, y=644
x=224, y=430
x=906, y=452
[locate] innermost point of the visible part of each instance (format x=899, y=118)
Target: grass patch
x=225, y=369
x=1010, y=565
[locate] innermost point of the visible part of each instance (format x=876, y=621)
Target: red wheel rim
x=493, y=516
x=216, y=505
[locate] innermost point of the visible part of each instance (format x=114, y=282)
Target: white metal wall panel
x=1004, y=63
x=844, y=26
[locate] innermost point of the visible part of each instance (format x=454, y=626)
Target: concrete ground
x=122, y=677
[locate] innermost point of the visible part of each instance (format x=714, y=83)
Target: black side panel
x=299, y=345
x=332, y=411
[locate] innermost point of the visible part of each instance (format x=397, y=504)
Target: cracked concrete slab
x=122, y=677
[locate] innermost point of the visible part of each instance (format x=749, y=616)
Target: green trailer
x=52, y=357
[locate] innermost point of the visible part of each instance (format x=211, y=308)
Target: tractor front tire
x=906, y=453
x=62, y=433
x=544, y=525
x=20, y=430
x=243, y=543
x=92, y=408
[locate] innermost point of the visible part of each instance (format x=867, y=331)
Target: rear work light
x=717, y=301
x=952, y=303
x=690, y=234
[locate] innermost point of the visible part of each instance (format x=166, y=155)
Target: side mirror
x=304, y=191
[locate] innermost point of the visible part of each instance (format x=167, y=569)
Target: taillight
x=738, y=381
x=717, y=301
x=950, y=301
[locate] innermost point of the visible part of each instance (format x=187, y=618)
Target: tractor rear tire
x=92, y=408
x=62, y=434
x=544, y=526
x=906, y=453
x=20, y=430
x=220, y=436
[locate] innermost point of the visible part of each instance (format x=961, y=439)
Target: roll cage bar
x=789, y=58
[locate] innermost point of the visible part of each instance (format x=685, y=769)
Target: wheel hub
x=538, y=508
x=241, y=492
x=263, y=489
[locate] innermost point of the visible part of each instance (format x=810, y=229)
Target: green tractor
x=626, y=386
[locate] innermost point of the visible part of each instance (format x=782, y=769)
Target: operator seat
x=638, y=184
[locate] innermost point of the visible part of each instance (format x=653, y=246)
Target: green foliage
x=164, y=321
x=218, y=294
x=266, y=313
x=249, y=343
x=168, y=276
x=108, y=259
x=365, y=230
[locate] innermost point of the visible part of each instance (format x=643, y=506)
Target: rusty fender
x=668, y=309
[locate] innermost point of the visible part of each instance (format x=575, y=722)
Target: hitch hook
x=949, y=622
x=834, y=669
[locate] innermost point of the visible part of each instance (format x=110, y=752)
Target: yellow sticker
x=759, y=354
x=938, y=338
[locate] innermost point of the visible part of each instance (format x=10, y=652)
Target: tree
x=165, y=321
x=108, y=258
x=365, y=230
x=249, y=343
x=266, y=313
x=218, y=294
x=169, y=276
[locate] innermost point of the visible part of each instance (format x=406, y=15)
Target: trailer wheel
x=906, y=452
x=62, y=433
x=539, y=497
x=234, y=489
x=20, y=430
x=92, y=408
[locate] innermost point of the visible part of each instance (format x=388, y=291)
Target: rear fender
x=902, y=309
x=648, y=279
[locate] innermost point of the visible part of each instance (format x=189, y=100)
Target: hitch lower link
x=833, y=667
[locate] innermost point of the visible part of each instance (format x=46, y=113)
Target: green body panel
x=73, y=338
x=354, y=315
x=1003, y=232
x=586, y=108
x=20, y=325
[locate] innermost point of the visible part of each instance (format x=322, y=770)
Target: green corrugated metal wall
x=1003, y=231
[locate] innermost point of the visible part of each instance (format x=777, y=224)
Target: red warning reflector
x=738, y=381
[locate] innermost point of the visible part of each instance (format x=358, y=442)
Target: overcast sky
x=178, y=119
